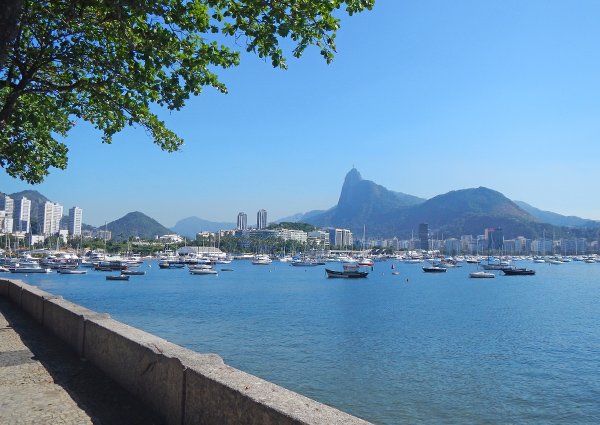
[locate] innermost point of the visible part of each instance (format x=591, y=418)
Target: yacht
x=482, y=275
x=202, y=271
x=434, y=269
x=261, y=260
x=30, y=267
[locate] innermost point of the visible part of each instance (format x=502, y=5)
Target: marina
x=407, y=348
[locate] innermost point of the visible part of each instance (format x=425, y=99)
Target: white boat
x=30, y=267
x=482, y=275
x=200, y=267
x=413, y=260
x=202, y=271
x=262, y=260
x=306, y=262
x=555, y=262
x=224, y=261
x=71, y=271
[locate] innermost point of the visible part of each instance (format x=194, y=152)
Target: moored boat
x=30, y=267
x=482, y=275
x=434, y=269
x=261, y=260
x=304, y=263
x=70, y=271
x=518, y=272
x=197, y=271
x=170, y=265
x=133, y=272
x=118, y=277
x=346, y=274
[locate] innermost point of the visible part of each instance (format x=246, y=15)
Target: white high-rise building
x=49, y=219
x=6, y=223
x=75, y=221
x=242, y=221
x=57, y=217
x=22, y=215
x=7, y=205
x=261, y=219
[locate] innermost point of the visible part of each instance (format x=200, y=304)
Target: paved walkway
x=43, y=382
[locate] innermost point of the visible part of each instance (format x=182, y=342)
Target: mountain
x=136, y=224
x=557, y=219
x=362, y=202
x=37, y=202
x=299, y=217
x=467, y=211
x=366, y=206
x=33, y=195
x=190, y=226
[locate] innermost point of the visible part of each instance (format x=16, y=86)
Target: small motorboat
x=395, y=273
x=226, y=270
x=118, y=277
x=70, y=271
x=434, y=269
x=518, y=272
x=202, y=271
x=482, y=275
x=170, y=265
x=346, y=274
x=133, y=272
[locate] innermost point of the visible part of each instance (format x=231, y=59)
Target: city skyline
x=433, y=97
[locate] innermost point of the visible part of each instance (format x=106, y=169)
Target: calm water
x=413, y=348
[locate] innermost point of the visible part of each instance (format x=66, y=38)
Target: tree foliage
x=109, y=62
x=305, y=227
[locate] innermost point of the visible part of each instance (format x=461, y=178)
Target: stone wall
x=182, y=386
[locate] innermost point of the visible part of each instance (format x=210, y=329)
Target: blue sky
x=423, y=97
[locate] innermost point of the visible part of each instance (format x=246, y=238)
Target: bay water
x=392, y=349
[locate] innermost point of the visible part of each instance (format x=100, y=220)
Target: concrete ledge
x=14, y=291
x=32, y=301
x=141, y=362
x=182, y=386
x=224, y=395
x=66, y=320
x=4, y=288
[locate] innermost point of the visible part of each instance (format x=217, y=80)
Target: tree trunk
x=10, y=11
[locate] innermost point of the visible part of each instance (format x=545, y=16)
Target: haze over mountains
x=365, y=205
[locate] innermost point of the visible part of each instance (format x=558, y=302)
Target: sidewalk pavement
x=43, y=382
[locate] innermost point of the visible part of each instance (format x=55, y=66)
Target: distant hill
x=190, y=226
x=467, y=211
x=557, y=219
x=362, y=202
x=299, y=217
x=136, y=224
x=37, y=201
x=384, y=213
x=33, y=195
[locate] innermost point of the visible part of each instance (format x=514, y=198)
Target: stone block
x=4, y=288
x=224, y=395
x=66, y=320
x=14, y=291
x=145, y=365
x=32, y=301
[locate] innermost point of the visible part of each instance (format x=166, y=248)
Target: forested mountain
x=136, y=224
